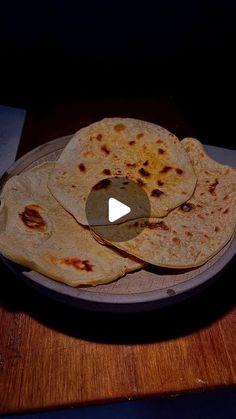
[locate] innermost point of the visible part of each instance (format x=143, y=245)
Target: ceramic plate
x=145, y=289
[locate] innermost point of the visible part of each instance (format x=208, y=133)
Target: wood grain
x=53, y=355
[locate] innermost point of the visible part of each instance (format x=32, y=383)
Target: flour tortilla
x=123, y=147
x=197, y=230
x=36, y=232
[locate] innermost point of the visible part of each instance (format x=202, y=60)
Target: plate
x=146, y=289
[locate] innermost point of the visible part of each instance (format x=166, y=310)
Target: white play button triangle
x=116, y=209
x=113, y=207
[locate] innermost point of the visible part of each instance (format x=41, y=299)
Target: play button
x=112, y=202
x=116, y=210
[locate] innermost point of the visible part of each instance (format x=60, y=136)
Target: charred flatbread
x=199, y=228
x=36, y=232
x=143, y=152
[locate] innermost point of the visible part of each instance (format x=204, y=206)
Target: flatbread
x=194, y=232
x=123, y=147
x=36, y=232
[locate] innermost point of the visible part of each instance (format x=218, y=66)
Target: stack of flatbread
x=43, y=223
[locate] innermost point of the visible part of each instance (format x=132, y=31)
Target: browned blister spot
x=217, y=229
x=97, y=137
x=145, y=163
x=103, y=184
x=141, y=182
x=179, y=171
x=186, y=207
x=126, y=182
x=105, y=149
x=226, y=197
x=106, y=172
x=140, y=135
x=212, y=187
x=165, y=169
x=188, y=233
x=161, y=151
x=132, y=142
x=159, y=225
x=73, y=186
x=131, y=164
x=135, y=225
x=225, y=211
x=144, y=172
x=79, y=264
x=159, y=142
x=156, y=193
x=32, y=218
x=160, y=183
x=201, y=216
x=82, y=167
x=119, y=127
x=176, y=240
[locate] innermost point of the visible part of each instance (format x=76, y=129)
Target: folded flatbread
x=198, y=229
x=36, y=232
x=123, y=147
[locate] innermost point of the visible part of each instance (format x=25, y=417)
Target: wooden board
x=52, y=355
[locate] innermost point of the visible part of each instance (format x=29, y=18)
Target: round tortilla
x=123, y=147
x=194, y=232
x=36, y=232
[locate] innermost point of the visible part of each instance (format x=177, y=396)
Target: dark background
x=66, y=50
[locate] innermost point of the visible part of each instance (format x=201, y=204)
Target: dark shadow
x=181, y=319
x=166, y=271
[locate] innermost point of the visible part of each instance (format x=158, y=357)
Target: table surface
x=53, y=355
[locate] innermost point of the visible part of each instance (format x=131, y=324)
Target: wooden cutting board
x=53, y=355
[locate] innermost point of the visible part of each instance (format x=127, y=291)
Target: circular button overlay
x=111, y=203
